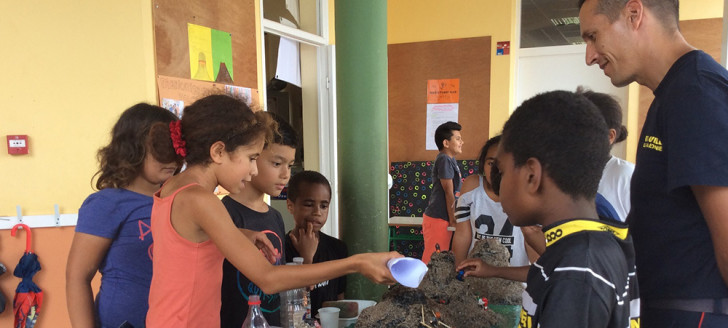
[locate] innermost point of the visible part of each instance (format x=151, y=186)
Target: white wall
x=563, y=68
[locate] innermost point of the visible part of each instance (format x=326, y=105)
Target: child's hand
x=263, y=243
x=306, y=242
x=534, y=238
x=374, y=266
x=476, y=268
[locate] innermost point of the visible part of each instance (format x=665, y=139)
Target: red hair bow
x=175, y=132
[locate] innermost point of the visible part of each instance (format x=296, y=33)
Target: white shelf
x=39, y=221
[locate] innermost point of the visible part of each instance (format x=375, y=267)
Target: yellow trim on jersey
x=634, y=322
x=525, y=320
x=556, y=233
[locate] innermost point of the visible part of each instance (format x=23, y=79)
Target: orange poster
x=443, y=91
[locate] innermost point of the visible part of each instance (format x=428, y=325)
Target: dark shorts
x=659, y=318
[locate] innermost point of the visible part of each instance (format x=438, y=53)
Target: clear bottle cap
x=298, y=260
x=253, y=300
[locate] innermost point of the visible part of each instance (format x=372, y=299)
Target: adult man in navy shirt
x=679, y=215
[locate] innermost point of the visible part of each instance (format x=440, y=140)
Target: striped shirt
x=585, y=278
x=488, y=221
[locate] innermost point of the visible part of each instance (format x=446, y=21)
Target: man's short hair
x=667, y=11
x=444, y=132
x=566, y=133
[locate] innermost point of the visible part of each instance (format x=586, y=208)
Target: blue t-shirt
x=605, y=210
x=684, y=142
x=445, y=167
x=126, y=270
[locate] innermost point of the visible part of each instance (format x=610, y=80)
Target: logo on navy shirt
x=652, y=142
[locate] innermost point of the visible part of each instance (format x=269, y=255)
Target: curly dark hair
x=285, y=134
x=610, y=109
x=121, y=161
x=216, y=118
x=566, y=133
x=309, y=177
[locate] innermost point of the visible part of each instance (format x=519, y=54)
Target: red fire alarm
x=17, y=144
x=503, y=48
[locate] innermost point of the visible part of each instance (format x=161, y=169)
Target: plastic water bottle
x=284, y=308
x=293, y=311
x=308, y=318
x=255, y=318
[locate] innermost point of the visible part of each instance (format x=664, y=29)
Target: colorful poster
x=175, y=106
x=443, y=91
x=211, y=56
x=222, y=56
x=240, y=92
x=443, y=97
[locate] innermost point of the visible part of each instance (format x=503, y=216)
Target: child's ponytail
x=161, y=142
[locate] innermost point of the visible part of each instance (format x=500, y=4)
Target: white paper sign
x=289, y=62
x=436, y=115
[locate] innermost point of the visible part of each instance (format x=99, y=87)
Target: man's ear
x=217, y=150
x=634, y=11
x=534, y=173
x=289, y=205
x=446, y=144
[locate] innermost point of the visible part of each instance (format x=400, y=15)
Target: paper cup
x=407, y=271
x=329, y=317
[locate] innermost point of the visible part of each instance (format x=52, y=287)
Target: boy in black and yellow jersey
x=549, y=163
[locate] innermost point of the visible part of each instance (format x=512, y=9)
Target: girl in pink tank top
x=220, y=138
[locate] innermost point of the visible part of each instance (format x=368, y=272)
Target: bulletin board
x=171, y=42
x=411, y=65
x=188, y=91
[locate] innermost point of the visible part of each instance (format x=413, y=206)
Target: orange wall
x=51, y=245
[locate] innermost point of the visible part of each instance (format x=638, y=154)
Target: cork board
x=188, y=91
x=411, y=65
x=704, y=34
x=171, y=43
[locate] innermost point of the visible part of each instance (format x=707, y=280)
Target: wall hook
x=28, y=239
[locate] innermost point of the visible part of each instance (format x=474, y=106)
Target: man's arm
x=713, y=202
